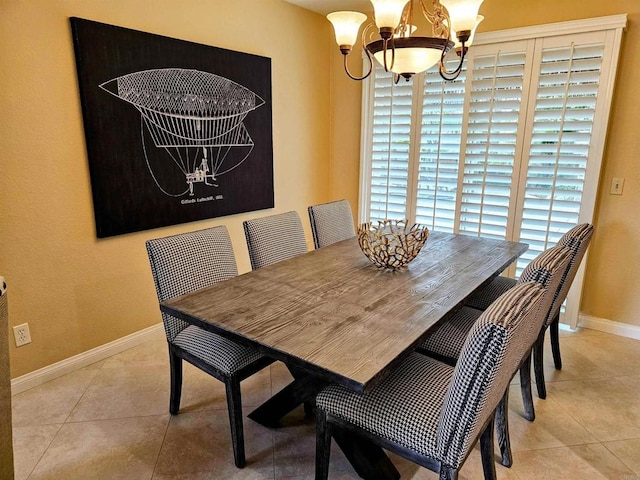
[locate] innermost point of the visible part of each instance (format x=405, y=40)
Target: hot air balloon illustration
x=196, y=117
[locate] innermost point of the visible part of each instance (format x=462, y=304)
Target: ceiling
x=326, y=6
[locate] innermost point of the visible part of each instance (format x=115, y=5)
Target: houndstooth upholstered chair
x=331, y=222
x=577, y=240
x=274, y=238
x=433, y=413
x=181, y=264
x=446, y=342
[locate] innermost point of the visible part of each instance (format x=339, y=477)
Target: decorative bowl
x=391, y=244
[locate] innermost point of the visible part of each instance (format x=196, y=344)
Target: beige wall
x=612, y=287
x=78, y=292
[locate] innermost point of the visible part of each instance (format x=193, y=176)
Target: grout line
x=60, y=425
x=164, y=438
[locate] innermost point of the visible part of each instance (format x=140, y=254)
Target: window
x=510, y=150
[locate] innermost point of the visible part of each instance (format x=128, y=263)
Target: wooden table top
x=334, y=314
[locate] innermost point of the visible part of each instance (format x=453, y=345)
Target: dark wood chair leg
x=234, y=404
x=525, y=388
x=555, y=342
x=486, y=451
x=502, y=430
x=448, y=473
x=175, y=366
x=323, y=445
x=538, y=364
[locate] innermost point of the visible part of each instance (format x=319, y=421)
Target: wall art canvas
x=175, y=131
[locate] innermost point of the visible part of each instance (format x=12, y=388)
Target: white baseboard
x=51, y=372
x=609, y=326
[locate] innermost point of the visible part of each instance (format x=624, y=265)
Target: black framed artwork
x=175, y=131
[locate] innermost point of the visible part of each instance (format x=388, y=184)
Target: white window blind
x=561, y=133
x=492, y=140
x=390, y=147
x=510, y=150
x=440, y=134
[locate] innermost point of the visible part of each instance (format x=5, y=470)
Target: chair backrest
x=491, y=355
x=547, y=269
x=577, y=240
x=186, y=262
x=274, y=238
x=331, y=222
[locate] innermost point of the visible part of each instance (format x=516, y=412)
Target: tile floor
x=110, y=421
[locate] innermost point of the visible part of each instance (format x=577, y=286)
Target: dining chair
x=181, y=264
x=446, y=341
x=433, y=413
x=274, y=238
x=577, y=240
x=331, y=222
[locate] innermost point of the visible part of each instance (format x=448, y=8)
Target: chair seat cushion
x=219, y=352
x=447, y=340
x=484, y=297
x=405, y=408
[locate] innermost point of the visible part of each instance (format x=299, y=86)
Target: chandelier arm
x=452, y=75
x=353, y=77
x=385, y=48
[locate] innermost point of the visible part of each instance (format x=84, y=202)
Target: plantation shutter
x=390, y=143
x=440, y=139
x=561, y=125
x=494, y=132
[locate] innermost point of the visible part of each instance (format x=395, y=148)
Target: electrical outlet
x=22, y=334
x=616, y=186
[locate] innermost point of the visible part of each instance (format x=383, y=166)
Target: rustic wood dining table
x=331, y=316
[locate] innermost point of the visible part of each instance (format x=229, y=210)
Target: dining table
x=332, y=316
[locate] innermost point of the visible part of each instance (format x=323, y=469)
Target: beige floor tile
x=200, y=443
x=153, y=352
x=607, y=354
x=120, y=449
x=553, y=426
x=139, y=390
x=124, y=392
x=628, y=451
x=471, y=469
x=29, y=445
x=608, y=408
x=582, y=462
x=590, y=400
x=332, y=476
x=240, y=474
x=52, y=402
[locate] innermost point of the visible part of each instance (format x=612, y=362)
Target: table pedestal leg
x=368, y=460
x=303, y=388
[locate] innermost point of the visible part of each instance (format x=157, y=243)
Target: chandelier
x=398, y=49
